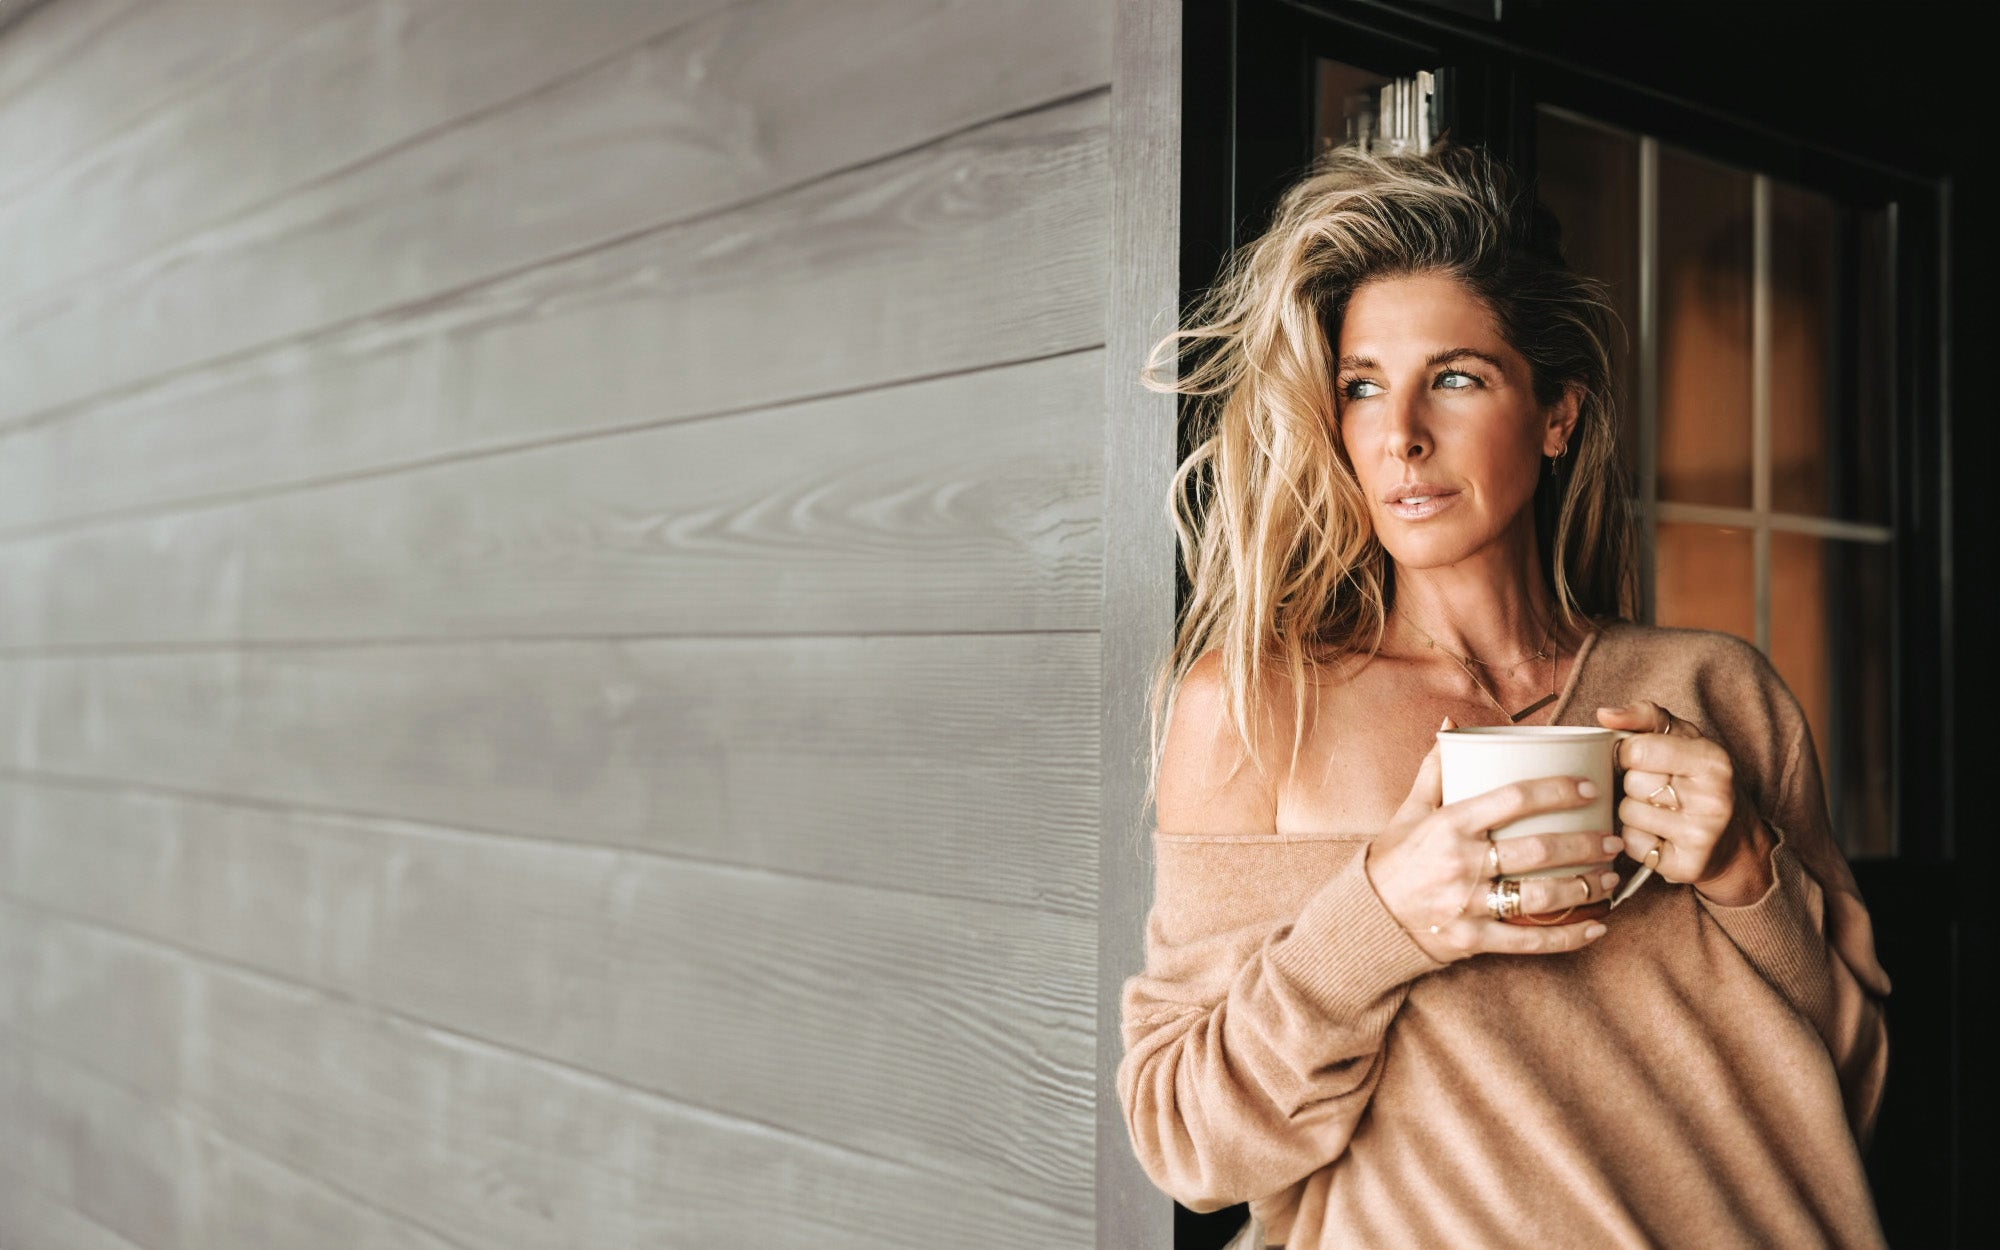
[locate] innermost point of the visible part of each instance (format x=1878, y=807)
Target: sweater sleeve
x=1809, y=936
x=1252, y=1041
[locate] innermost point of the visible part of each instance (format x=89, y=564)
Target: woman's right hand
x=1431, y=867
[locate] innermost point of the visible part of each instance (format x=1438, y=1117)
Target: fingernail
x=1444, y=724
x=1595, y=931
x=1607, y=879
x=1613, y=844
x=1588, y=789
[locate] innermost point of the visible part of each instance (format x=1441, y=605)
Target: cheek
x=1354, y=438
x=1509, y=455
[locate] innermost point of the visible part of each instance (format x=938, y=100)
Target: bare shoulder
x=1208, y=782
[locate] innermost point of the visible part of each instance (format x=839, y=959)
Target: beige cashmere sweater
x=1700, y=1076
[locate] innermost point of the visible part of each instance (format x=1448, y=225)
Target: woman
x=1407, y=515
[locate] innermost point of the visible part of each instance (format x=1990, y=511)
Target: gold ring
x=1667, y=786
x=1503, y=901
x=1585, y=883
x=1545, y=921
x=1492, y=858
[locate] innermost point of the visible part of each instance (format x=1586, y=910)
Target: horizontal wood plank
x=124, y=1160
x=489, y=1147
x=854, y=281
x=964, y=766
x=375, y=74
x=74, y=73
x=105, y=1151
x=759, y=96
x=963, y=503
x=13, y=711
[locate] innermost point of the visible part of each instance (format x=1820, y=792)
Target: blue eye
x=1468, y=384
x=1353, y=389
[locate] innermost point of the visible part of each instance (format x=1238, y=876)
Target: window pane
x=1704, y=578
x=1588, y=175
x=1705, y=290
x=1830, y=605
x=1830, y=341
x=1864, y=477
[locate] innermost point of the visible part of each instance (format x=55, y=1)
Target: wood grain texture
x=97, y=1147
x=297, y=111
x=13, y=711
x=91, y=1163
x=988, y=246
x=759, y=96
x=74, y=73
x=962, y=766
x=967, y=502
x=1138, y=616
x=492, y=1148
x=548, y=675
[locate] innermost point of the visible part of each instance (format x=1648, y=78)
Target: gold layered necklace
x=1466, y=662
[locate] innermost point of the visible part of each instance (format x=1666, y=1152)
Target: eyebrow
x=1433, y=361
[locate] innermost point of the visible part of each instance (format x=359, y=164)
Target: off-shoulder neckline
x=1584, y=651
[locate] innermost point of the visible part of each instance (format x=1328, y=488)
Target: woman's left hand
x=1681, y=798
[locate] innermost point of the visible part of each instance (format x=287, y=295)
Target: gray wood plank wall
x=551, y=578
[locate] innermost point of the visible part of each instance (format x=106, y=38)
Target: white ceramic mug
x=1479, y=758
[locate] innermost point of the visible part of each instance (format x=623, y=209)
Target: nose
x=1405, y=432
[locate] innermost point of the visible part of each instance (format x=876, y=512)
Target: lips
x=1414, y=501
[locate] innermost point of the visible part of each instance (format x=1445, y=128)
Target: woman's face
x=1439, y=418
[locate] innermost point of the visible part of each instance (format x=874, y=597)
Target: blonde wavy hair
x=1273, y=530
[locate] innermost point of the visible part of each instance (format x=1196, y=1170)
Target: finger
x=1514, y=939
x=1640, y=817
x=1556, y=850
x=1542, y=895
x=1647, y=717
x=1658, y=863
x=1474, y=816
x=1650, y=787
x=1663, y=753
x=1694, y=798
x=1671, y=862
x=1643, y=716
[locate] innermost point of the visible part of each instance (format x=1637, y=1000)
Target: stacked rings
x=1503, y=901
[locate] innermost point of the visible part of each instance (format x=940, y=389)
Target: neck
x=1492, y=607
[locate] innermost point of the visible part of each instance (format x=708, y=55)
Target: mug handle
x=1645, y=871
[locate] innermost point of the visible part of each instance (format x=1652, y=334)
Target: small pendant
x=1533, y=708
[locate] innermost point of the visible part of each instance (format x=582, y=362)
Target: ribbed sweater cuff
x=1780, y=936
x=1345, y=950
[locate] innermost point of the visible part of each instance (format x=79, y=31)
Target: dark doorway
x=1784, y=200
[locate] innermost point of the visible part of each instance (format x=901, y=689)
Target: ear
x=1560, y=420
